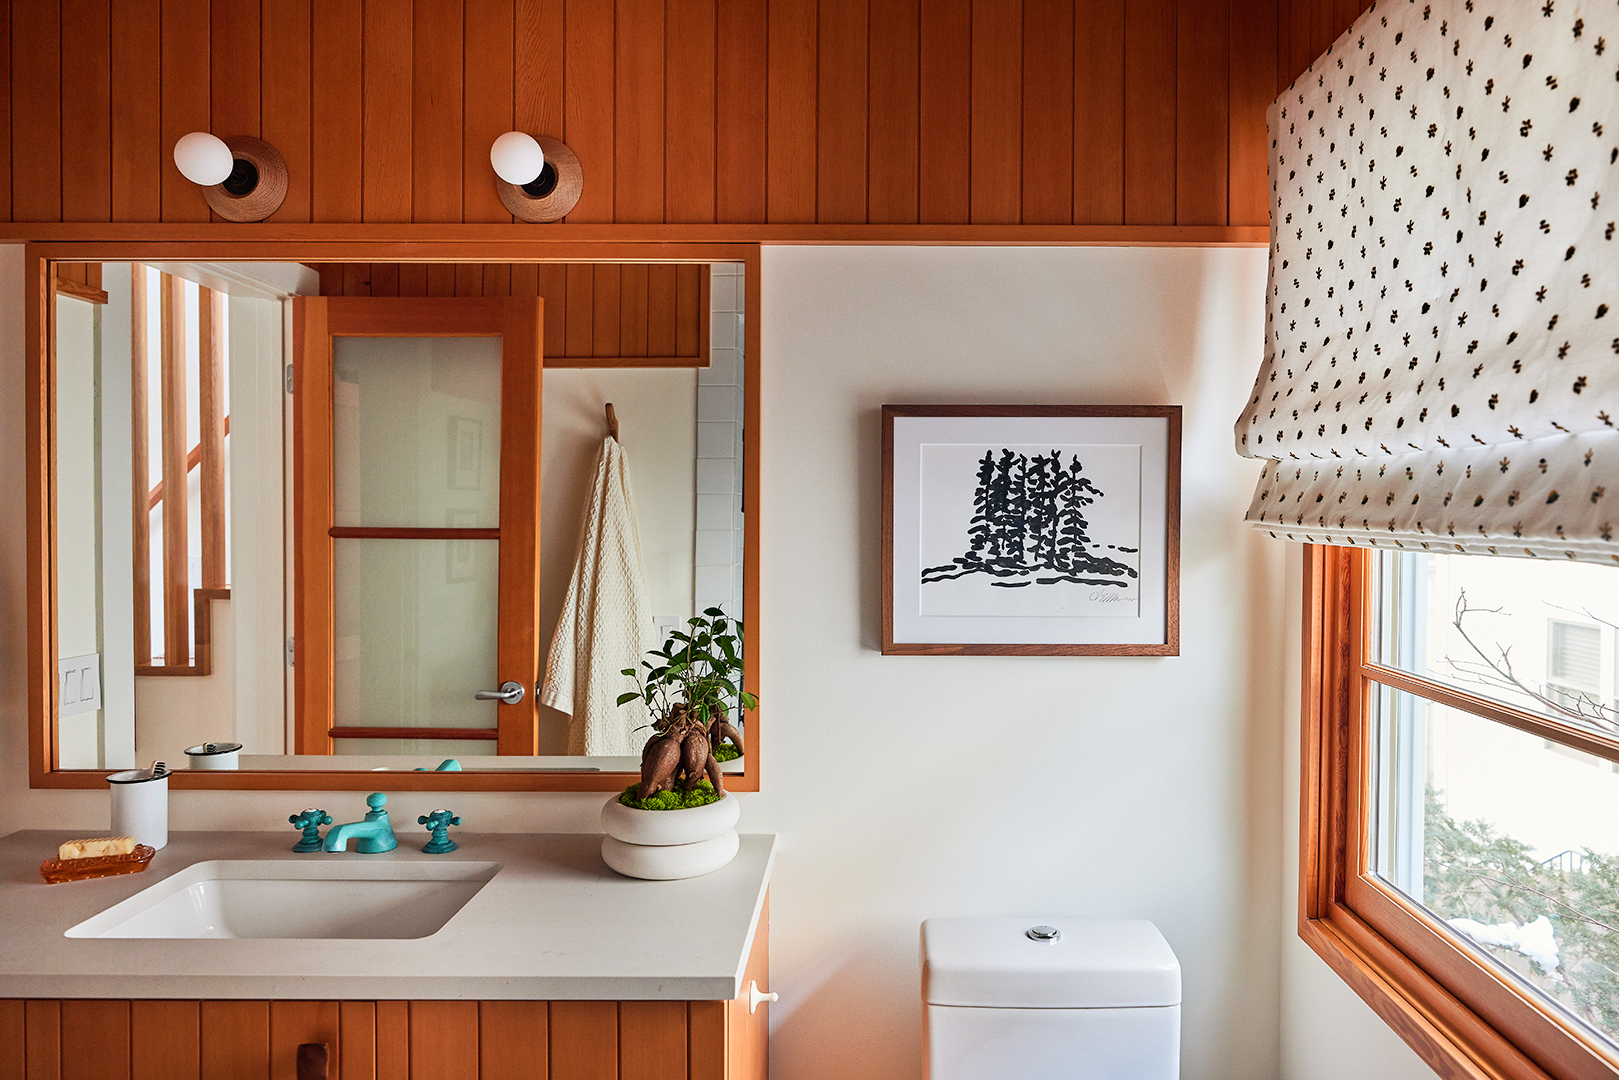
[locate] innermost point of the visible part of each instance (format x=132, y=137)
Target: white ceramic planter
x=662, y=845
x=671, y=861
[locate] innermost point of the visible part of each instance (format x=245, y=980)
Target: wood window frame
x=49, y=244
x=1459, y=1013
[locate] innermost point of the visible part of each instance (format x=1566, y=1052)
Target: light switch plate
x=78, y=680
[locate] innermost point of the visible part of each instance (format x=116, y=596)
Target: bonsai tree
x=688, y=688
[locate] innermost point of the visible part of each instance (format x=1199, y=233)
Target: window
x=1463, y=879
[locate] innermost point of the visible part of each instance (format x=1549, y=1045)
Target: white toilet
x=1021, y=999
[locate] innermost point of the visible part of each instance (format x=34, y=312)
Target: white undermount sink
x=318, y=899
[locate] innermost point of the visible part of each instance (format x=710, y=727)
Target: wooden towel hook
x=612, y=422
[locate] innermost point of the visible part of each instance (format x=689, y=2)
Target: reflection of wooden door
x=396, y=444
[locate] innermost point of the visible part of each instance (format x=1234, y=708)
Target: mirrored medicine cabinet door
x=340, y=530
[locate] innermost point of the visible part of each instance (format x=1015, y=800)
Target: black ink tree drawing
x=1029, y=523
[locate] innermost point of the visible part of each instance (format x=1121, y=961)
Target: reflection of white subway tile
x=736, y=580
x=716, y=476
x=723, y=335
x=713, y=512
x=722, y=292
x=721, y=369
x=716, y=440
x=717, y=403
x=713, y=547
x=712, y=581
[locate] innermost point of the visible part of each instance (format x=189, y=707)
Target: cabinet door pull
x=312, y=1061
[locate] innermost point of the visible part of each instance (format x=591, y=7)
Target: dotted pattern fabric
x=1442, y=347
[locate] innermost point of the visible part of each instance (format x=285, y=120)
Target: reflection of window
x=1574, y=661
x=1472, y=874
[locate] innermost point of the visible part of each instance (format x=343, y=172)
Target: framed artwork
x=1033, y=530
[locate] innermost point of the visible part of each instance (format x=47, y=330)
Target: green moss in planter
x=700, y=795
x=726, y=752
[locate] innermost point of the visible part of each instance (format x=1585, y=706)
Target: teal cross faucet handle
x=439, y=822
x=310, y=822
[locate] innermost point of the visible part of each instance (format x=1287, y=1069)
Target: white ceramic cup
x=140, y=806
x=213, y=755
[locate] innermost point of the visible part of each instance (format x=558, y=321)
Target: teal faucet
x=371, y=836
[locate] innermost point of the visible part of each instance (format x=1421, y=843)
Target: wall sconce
x=243, y=178
x=537, y=177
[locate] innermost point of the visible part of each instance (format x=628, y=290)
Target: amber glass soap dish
x=56, y=871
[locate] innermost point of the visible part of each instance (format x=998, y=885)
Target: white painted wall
x=904, y=788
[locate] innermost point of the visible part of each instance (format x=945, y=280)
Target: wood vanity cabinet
x=85, y=1039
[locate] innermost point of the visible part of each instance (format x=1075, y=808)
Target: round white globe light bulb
x=203, y=159
x=517, y=158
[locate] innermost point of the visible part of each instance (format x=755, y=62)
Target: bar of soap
x=96, y=847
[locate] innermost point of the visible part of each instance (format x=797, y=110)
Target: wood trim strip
x=368, y=532
x=521, y=378
x=78, y=290
x=520, y=779
x=140, y=421
x=177, y=643
x=312, y=518
x=211, y=437
x=752, y=488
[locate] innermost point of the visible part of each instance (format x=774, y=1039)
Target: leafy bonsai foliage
x=1472, y=871
x=700, y=668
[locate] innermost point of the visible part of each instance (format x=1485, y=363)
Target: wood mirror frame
x=318, y=244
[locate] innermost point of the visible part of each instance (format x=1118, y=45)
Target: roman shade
x=1441, y=362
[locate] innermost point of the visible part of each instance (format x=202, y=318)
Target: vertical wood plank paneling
x=293, y=1023
x=137, y=168
x=356, y=279
x=605, y=318
x=632, y=300
x=440, y=279
x=413, y=279
x=1048, y=112
x=945, y=137
x=512, y=1040
x=581, y=301
x=537, y=68
x=688, y=310
x=36, y=101
x=176, y=561
x=489, y=56
x=13, y=1037
x=1253, y=86
x=997, y=112
x=1098, y=112
x=339, y=137
x=740, y=98
x=393, y=1041
x=638, y=108
x=357, y=1037
x=587, y=103
x=211, y=410
x=652, y=1040
x=437, y=120
x=705, y=1040
x=791, y=99
x=165, y=1040
x=550, y=281
x=584, y=1040
x=5, y=110
x=284, y=105
x=444, y=1040
x=660, y=311
x=389, y=107
x=497, y=279
x=841, y=112
x=235, y=1040
x=234, y=68
x=186, y=94
x=895, y=44
x=689, y=117
x=43, y=1039
x=1202, y=111
x=97, y=1042
x=1323, y=28
x=87, y=111
x=468, y=279
x=384, y=279
x=1149, y=112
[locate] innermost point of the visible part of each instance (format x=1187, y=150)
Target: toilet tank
x=1100, y=1001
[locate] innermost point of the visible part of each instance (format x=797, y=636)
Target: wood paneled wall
x=735, y=111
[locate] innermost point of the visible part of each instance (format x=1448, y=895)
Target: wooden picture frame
x=1000, y=537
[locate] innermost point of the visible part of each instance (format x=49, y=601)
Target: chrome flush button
x=1042, y=933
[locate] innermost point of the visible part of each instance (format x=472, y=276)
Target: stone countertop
x=553, y=924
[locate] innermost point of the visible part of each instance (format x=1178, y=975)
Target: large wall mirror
x=352, y=533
